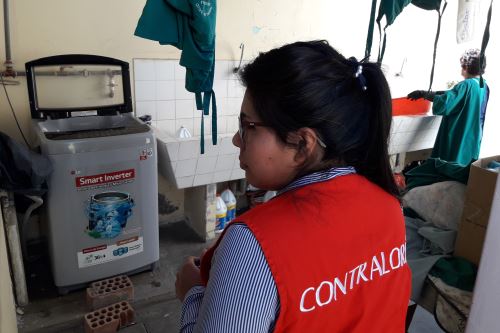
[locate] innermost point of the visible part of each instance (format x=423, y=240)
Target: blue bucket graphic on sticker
x=108, y=213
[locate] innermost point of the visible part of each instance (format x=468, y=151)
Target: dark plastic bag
x=22, y=171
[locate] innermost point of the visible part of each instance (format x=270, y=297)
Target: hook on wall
x=400, y=73
x=242, y=47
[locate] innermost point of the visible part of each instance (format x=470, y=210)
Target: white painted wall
x=43, y=28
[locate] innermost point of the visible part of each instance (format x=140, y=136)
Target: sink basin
x=180, y=161
x=406, y=107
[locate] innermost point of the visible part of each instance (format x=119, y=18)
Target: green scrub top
x=459, y=136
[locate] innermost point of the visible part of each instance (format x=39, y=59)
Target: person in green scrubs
x=458, y=141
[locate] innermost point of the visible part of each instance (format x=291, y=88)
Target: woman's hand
x=188, y=276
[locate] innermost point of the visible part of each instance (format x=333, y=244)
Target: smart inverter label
x=109, y=178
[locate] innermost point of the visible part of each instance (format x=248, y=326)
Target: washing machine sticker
x=101, y=254
x=103, y=180
x=145, y=154
x=108, y=213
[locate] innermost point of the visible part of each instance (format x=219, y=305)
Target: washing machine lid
x=63, y=86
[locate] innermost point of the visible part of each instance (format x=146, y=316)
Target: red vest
x=337, y=253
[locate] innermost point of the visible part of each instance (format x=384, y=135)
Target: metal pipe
x=85, y=73
x=37, y=202
x=6, y=25
x=16, y=256
x=12, y=73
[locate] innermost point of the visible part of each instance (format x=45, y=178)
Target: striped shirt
x=241, y=295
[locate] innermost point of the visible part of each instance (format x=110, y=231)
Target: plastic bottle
x=220, y=214
x=183, y=133
x=230, y=201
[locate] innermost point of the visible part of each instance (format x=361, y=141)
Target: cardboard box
x=481, y=188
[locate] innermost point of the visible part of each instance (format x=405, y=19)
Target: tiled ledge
x=180, y=161
x=412, y=133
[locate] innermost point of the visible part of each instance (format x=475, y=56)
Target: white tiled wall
x=411, y=133
x=159, y=92
x=180, y=160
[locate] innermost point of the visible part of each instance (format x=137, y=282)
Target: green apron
x=460, y=133
x=459, y=137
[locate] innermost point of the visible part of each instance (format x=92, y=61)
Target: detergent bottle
x=230, y=201
x=220, y=214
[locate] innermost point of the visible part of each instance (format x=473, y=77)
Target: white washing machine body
x=101, y=205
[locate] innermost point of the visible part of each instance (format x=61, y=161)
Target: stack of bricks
x=109, y=301
x=109, y=319
x=108, y=291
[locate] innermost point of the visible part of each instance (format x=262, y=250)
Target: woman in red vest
x=328, y=253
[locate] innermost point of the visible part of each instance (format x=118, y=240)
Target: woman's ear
x=307, y=145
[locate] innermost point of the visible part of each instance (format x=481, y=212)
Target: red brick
x=108, y=291
x=109, y=319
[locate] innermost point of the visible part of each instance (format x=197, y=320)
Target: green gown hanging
x=459, y=137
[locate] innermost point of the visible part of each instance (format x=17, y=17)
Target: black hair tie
x=358, y=72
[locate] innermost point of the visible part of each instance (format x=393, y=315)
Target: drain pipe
x=37, y=202
x=9, y=65
x=6, y=24
x=16, y=258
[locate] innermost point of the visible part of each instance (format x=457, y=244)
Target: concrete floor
x=155, y=305
x=157, y=310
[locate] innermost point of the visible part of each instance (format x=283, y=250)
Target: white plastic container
x=220, y=214
x=183, y=133
x=230, y=201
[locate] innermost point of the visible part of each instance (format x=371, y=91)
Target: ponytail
x=377, y=167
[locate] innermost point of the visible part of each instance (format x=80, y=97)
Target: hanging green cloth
x=390, y=9
x=427, y=4
x=433, y=5
x=484, y=43
x=188, y=25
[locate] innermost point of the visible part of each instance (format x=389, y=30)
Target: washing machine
x=102, y=201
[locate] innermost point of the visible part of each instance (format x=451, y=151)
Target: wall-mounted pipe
x=9, y=65
x=6, y=24
x=8, y=211
x=37, y=202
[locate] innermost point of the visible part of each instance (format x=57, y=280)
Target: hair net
x=469, y=57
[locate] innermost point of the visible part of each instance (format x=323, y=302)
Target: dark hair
x=310, y=84
x=474, y=68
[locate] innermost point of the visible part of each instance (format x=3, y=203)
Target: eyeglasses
x=244, y=124
x=321, y=143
